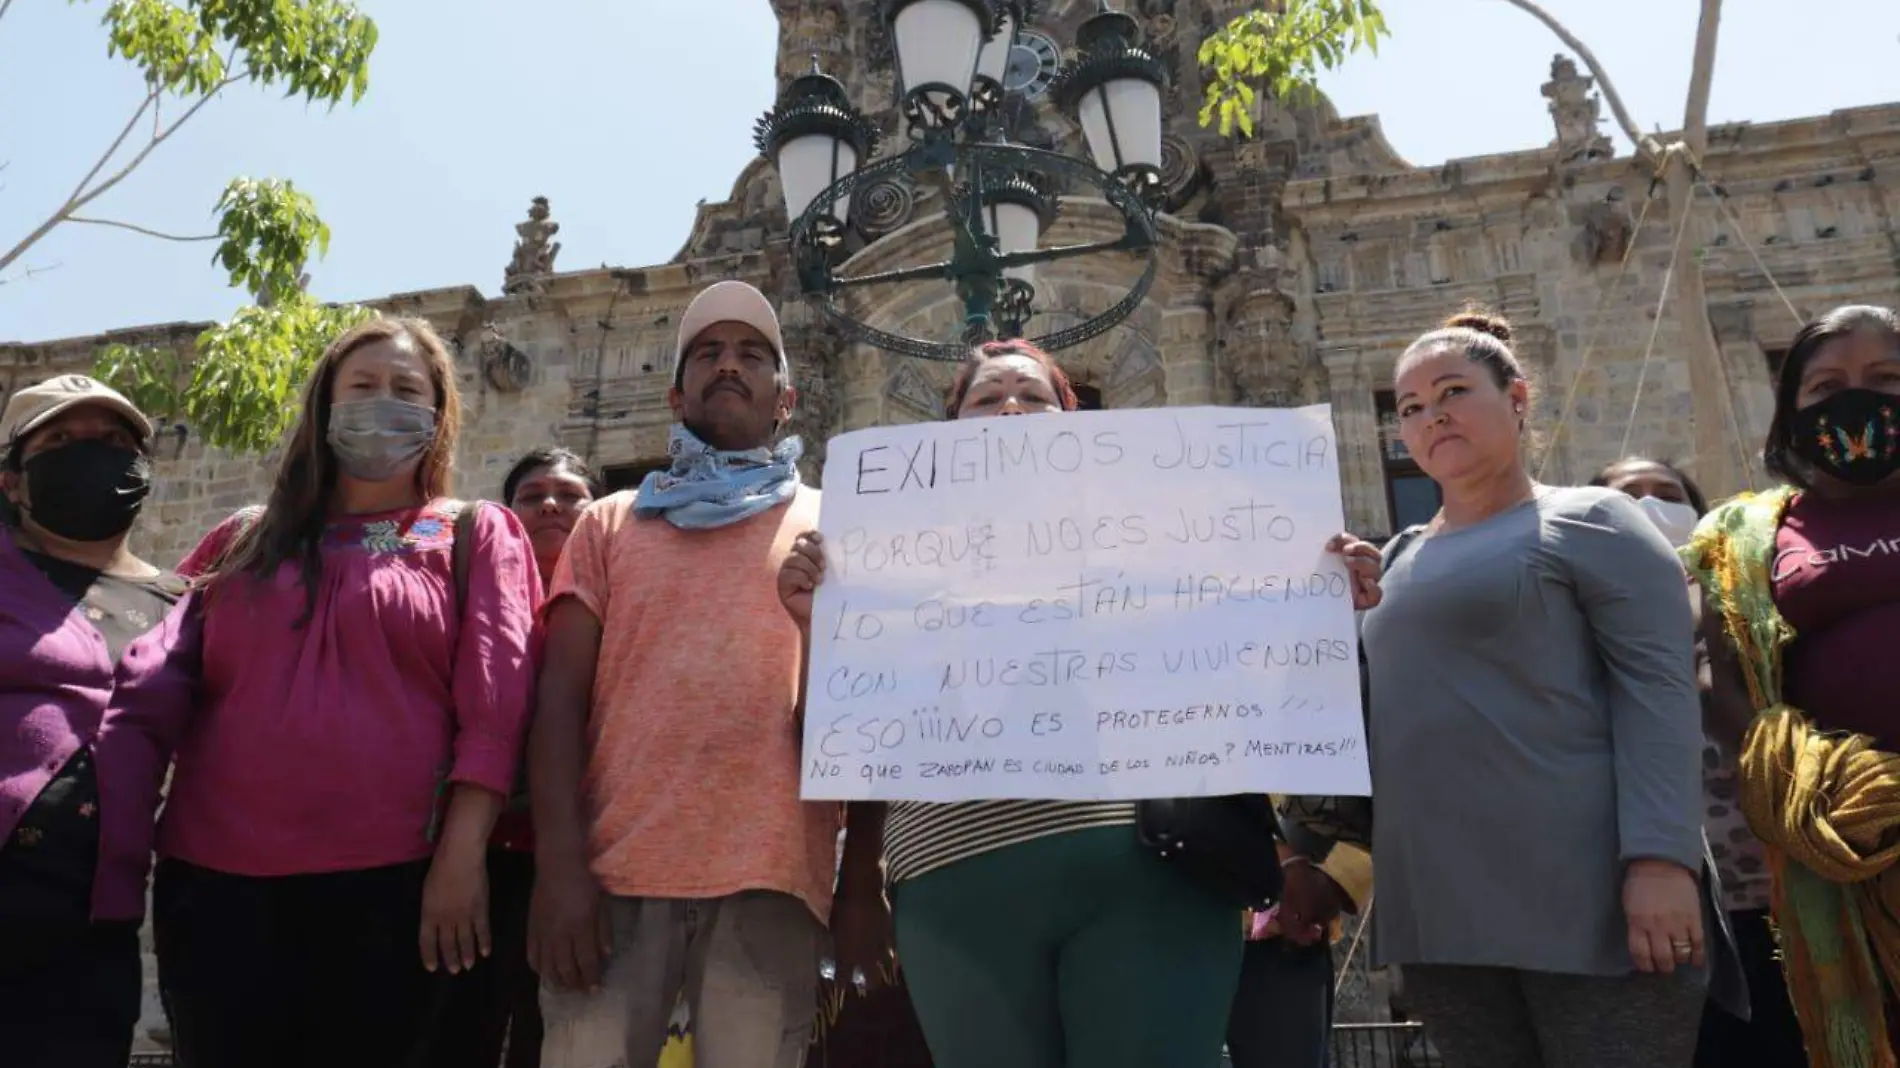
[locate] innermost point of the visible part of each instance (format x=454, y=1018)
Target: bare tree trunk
x=1716, y=465
x=1716, y=454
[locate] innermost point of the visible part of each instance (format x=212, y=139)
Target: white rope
x=1721, y=201
x=1744, y=462
x=1596, y=337
x=1655, y=329
x=1358, y=936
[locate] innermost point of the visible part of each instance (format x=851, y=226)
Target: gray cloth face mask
x=373, y=439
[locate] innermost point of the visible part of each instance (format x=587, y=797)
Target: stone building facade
x=1295, y=267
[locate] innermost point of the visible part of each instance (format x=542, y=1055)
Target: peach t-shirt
x=692, y=776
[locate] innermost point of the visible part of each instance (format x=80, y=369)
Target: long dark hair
x=551, y=456
x=1777, y=452
x=291, y=526
x=1689, y=489
x=989, y=350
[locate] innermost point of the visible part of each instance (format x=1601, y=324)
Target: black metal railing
x=1378, y=1045
x=1383, y=1045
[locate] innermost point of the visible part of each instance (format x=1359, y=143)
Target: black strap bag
x=1231, y=844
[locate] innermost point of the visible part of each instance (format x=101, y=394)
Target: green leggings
x=1080, y=950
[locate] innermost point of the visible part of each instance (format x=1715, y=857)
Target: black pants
x=299, y=971
x=1283, y=1009
x=74, y=1007
x=1771, y=1038
x=874, y=1030
x=501, y=998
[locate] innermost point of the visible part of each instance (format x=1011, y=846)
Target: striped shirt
x=922, y=836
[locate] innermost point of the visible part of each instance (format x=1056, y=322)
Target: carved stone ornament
x=1607, y=231
x=535, y=250
x=507, y=368
x=1577, y=112
x=1259, y=349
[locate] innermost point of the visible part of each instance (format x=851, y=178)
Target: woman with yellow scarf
x=1801, y=606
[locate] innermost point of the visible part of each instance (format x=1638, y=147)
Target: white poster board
x=1091, y=605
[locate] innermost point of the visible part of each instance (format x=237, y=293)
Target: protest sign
x=1097, y=605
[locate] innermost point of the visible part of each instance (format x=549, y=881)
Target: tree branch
x=1645, y=145
x=4, y=4
x=30, y=272
x=83, y=196
x=120, y=175
x=1695, y=119
x=71, y=204
x=151, y=100
x=140, y=229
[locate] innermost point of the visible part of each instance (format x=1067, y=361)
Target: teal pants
x=1081, y=950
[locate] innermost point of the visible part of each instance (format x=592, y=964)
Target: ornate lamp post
x=999, y=199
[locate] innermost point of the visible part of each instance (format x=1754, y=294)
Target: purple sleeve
x=494, y=663
x=153, y=704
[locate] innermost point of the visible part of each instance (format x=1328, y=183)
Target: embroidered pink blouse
x=324, y=747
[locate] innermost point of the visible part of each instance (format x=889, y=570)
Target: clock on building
x=1033, y=64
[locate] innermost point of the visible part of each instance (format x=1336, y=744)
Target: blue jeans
x=1283, y=1011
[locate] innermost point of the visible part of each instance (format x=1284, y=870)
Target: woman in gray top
x=1536, y=745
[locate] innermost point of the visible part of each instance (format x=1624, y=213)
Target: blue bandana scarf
x=706, y=487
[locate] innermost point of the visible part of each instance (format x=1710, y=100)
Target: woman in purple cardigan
x=84, y=626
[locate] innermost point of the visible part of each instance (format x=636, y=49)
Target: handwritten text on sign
x=1090, y=605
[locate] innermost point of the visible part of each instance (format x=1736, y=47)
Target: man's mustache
x=727, y=383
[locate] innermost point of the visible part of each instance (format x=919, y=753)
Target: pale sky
x=627, y=112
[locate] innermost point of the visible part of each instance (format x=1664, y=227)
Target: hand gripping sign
x=1098, y=605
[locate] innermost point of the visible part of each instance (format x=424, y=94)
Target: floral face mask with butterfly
x=1853, y=435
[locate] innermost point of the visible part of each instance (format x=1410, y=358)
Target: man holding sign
x=1025, y=628
x=671, y=840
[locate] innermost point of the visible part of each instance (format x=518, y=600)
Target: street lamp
x=814, y=138
x=999, y=199
x=1114, y=89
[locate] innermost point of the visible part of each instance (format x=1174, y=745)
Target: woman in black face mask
x=1801, y=589
x=82, y=621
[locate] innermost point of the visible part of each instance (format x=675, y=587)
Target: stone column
x=1356, y=425
x=862, y=371
x=813, y=347
x=1257, y=344
x=1190, y=330
x=1751, y=390
x=1250, y=179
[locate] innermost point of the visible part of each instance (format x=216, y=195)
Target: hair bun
x=1483, y=322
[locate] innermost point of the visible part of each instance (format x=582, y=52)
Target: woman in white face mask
x=1772, y=1036
x=366, y=682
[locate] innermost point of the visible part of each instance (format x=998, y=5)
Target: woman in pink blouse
x=365, y=690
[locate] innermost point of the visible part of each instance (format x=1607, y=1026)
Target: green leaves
x=1282, y=50
x=241, y=389
x=164, y=41
x=316, y=49
x=268, y=229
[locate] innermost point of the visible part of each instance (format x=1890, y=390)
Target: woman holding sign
x=1033, y=934
x=1536, y=746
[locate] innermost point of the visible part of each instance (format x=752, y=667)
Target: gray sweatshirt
x=1534, y=726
